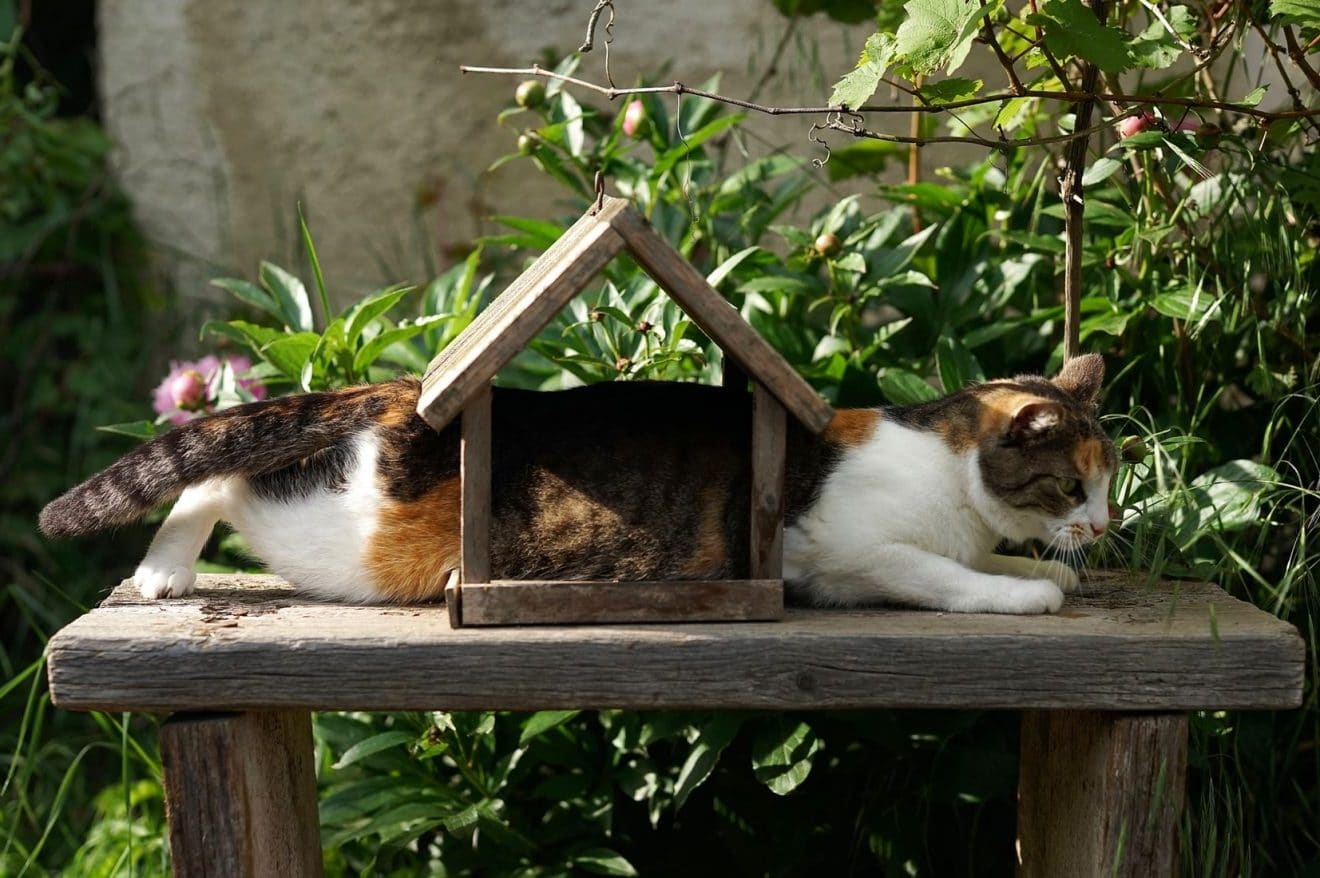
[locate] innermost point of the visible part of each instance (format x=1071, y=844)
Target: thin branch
x=1071, y=97
x=590, y=42
x=773, y=67
x=992, y=39
x=1299, y=57
x=1071, y=193
x=835, y=123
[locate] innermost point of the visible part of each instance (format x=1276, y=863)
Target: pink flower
x=634, y=117
x=190, y=387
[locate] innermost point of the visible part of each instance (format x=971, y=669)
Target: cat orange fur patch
x=851, y=427
x=1089, y=458
x=710, y=555
x=416, y=545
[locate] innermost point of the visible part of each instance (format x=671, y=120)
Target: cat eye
x=1067, y=485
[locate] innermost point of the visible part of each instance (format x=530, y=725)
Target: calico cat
x=350, y=496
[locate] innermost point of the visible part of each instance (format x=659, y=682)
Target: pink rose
x=189, y=388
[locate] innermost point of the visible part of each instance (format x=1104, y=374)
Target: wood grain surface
x=1100, y=794
x=510, y=322
x=240, y=792
x=248, y=642
x=526, y=602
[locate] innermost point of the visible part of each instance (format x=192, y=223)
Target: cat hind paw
x=156, y=581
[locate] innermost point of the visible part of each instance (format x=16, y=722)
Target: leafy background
x=1200, y=268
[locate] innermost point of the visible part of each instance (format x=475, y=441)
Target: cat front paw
x=1062, y=575
x=156, y=581
x=1032, y=597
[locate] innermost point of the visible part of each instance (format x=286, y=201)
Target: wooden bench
x=1104, y=687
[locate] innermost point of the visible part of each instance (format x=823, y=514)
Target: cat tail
x=245, y=440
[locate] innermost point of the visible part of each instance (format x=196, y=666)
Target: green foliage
x=1201, y=277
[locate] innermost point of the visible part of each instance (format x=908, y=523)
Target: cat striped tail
x=245, y=440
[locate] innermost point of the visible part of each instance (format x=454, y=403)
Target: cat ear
x=1034, y=419
x=1081, y=377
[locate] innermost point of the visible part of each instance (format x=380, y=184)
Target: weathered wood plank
x=524, y=602
x=474, y=467
x=511, y=321
x=720, y=320
x=1100, y=794
x=769, y=461
x=732, y=377
x=240, y=791
x=246, y=642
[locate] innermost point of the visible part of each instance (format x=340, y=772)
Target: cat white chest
x=902, y=486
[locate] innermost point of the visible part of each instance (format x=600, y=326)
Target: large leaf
x=1303, y=12
x=372, y=307
x=373, y=745
x=938, y=33
x=902, y=387
x=1161, y=44
x=710, y=742
x=602, y=861
x=543, y=721
x=782, y=754
x=251, y=294
x=289, y=294
x=856, y=88
x=947, y=91
x=1228, y=497
x=1071, y=29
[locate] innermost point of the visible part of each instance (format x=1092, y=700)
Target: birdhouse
x=457, y=384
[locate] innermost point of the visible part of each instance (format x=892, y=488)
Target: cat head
x=1044, y=463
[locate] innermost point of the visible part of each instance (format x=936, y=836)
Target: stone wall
x=227, y=113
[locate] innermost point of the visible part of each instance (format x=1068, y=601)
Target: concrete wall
x=228, y=112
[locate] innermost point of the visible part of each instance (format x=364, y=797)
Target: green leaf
x=375, y=744
x=1303, y=12
x=1255, y=96
x=249, y=293
x=1157, y=47
x=1101, y=170
x=546, y=233
x=316, y=265
x=724, y=268
x=782, y=754
x=248, y=334
x=543, y=721
x=956, y=365
x=902, y=387
x=373, y=349
x=290, y=295
x=938, y=33
x=947, y=91
x=1071, y=29
x=1189, y=304
x=691, y=140
x=710, y=742
x=289, y=353
x=863, y=157
x=372, y=307
x=1228, y=497
x=856, y=88
x=603, y=861
x=135, y=429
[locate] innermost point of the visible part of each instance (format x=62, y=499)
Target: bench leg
x=240, y=794
x=1100, y=793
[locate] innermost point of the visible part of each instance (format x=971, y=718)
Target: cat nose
x=1098, y=529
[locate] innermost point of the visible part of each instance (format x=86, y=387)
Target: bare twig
x=613, y=93
x=590, y=42
x=834, y=123
x=1299, y=58
x=992, y=39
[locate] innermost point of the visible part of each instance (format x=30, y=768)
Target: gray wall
x=227, y=112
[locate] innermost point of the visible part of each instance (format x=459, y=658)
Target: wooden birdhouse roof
x=510, y=322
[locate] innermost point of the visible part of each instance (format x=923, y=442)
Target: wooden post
x=475, y=514
x=769, y=456
x=732, y=376
x=1100, y=794
x=240, y=793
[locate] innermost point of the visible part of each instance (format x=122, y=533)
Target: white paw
x=1063, y=575
x=1031, y=596
x=164, y=580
